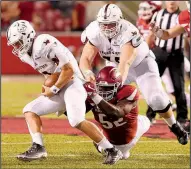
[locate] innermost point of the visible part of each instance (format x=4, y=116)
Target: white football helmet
x=20, y=35
x=109, y=19
x=145, y=11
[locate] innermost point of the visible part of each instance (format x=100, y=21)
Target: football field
x=69, y=148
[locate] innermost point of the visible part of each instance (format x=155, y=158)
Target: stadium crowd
x=51, y=15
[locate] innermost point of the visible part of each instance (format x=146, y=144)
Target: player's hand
x=90, y=89
x=47, y=92
x=89, y=76
x=153, y=27
x=156, y=30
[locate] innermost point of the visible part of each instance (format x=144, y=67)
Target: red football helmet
x=108, y=81
x=145, y=11
x=155, y=5
x=148, y=8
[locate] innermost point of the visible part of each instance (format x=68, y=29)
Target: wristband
x=97, y=98
x=159, y=33
x=54, y=89
x=88, y=73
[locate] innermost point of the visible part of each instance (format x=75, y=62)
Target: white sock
x=37, y=138
x=104, y=143
x=170, y=121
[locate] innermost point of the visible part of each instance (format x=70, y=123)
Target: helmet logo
x=21, y=28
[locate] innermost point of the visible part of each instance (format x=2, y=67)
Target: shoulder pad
x=128, y=92
x=42, y=44
x=92, y=32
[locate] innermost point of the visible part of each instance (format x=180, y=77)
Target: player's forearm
x=110, y=110
x=170, y=33
x=87, y=57
x=166, y=35
x=126, y=60
x=107, y=108
x=85, y=64
x=124, y=69
x=65, y=76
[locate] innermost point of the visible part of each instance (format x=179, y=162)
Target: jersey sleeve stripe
x=132, y=96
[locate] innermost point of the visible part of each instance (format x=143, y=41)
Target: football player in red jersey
x=183, y=26
x=145, y=13
x=115, y=109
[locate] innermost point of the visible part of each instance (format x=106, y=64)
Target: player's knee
x=74, y=122
x=30, y=109
x=27, y=108
x=158, y=101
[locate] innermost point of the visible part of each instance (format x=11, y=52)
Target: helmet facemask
x=107, y=91
x=19, y=48
x=109, y=29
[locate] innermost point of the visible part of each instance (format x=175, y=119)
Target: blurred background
x=63, y=19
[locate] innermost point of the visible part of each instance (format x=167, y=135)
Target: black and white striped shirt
x=166, y=20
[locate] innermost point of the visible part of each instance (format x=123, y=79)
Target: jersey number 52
x=108, y=124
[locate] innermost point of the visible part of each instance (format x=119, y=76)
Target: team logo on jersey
x=109, y=53
x=134, y=33
x=47, y=42
x=41, y=67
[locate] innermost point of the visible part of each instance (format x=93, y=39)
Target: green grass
x=79, y=152
x=16, y=94
x=71, y=151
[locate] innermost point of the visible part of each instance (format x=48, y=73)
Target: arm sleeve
x=91, y=34
x=183, y=19
x=84, y=38
x=132, y=36
x=59, y=53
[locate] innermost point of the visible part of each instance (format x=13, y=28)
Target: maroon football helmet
x=108, y=81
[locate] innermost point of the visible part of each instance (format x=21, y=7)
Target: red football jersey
x=143, y=27
x=184, y=21
x=123, y=130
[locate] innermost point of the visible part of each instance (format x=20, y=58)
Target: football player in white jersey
x=47, y=55
x=119, y=41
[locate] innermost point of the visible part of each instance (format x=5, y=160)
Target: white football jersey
x=111, y=50
x=49, y=55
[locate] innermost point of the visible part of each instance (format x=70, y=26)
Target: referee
x=169, y=53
